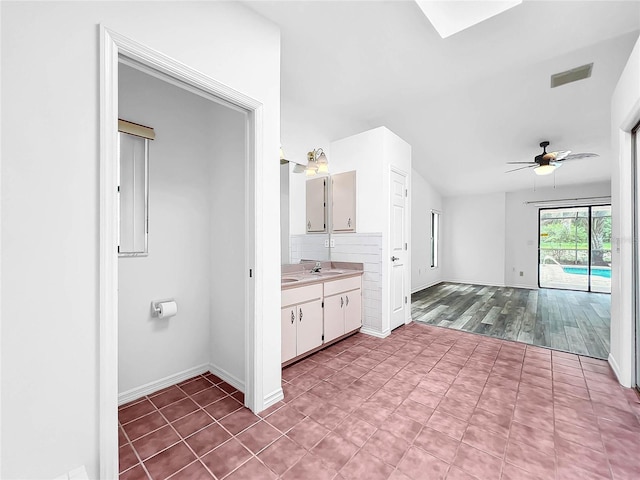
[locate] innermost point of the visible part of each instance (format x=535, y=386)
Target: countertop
x=299, y=274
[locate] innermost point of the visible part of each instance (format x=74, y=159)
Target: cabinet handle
x=301, y=314
x=309, y=225
x=349, y=222
x=293, y=317
x=341, y=302
x=347, y=302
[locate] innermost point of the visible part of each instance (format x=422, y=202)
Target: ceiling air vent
x=573, y=75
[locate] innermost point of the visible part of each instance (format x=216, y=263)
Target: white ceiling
x=468, y=103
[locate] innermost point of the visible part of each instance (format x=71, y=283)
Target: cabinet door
x=316, y=205
x=288, y=318
x=309, y=326
x=333, y=317
x=352, y=310
x=343, y=202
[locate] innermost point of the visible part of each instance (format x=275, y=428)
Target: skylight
x=450, y=17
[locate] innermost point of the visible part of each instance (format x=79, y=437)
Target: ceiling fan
x=547, y=162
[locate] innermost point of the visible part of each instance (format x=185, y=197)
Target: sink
x=289, y=280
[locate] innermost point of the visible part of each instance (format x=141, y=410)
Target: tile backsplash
x=365, y=248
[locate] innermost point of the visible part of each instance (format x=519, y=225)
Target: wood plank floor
x=576, y=322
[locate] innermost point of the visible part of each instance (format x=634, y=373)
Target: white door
x=398, y=249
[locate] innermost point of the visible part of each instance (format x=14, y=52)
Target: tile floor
x=424, y=403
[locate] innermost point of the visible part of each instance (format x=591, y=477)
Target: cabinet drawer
x=294, y=296
x=343, y=285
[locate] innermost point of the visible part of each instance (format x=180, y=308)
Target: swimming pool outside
x=604, y=272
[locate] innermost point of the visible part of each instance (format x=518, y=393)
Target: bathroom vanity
x=320, y=307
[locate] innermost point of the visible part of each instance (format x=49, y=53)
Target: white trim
x=152, y=387
x=108, y=271
x=227, y=377
x=425, y=286
x=616, y=369
x=273, y=398
x=112, y=46
x=375, y=333
x=526, y=287
x=476, y=282
x=0, y=258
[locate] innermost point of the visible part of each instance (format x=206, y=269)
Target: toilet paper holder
x=155, y=306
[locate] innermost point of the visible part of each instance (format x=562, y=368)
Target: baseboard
x=375, y=333
x=477, y=282
x=616, y=369
x=526, y=287
x=273, y=398
x=425, y=286
x=152, y=387
x=227, y=377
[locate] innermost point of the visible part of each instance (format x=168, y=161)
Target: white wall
x=473, y=234
x=364, y=153
x=50, y=204
x=625, y=113
x=228, y=273
x=372, y=154
x=302, y=132
x=424, y=198
x=179, y=235
x=521, y=235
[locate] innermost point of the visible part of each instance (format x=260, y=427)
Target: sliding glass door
x=575, y=248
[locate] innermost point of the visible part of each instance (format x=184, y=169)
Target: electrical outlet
x=522, y=274
x=333, y=242
x=326, y=243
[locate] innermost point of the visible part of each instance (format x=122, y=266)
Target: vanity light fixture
x=316, y=163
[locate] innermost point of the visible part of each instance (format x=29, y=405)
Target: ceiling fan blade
x=521, y=168
x=577, y=156
x=517, y=163
x=561, y=154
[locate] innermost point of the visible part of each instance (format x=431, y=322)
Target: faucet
x=317, y=268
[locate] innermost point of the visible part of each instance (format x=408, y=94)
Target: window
x=435, y=234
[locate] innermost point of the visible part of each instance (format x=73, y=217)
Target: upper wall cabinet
x=317, y=205
x=343, y=202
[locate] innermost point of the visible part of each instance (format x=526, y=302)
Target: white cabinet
x=316, y=205
x=342, y=307
x=343, y=202
x=301, y=320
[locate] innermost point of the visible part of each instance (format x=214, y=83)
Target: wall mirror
x=133, y=188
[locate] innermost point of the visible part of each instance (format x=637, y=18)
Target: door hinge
x=406, y=192
x=323, y=337
x=323, y=304
x=118, y=248
x=405, y=299
x=250, y=272
x=405, y=246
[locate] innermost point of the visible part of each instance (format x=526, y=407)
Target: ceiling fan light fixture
x=544, y=169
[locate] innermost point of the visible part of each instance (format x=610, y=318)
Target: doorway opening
x=115, y=50
x=574, y=250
